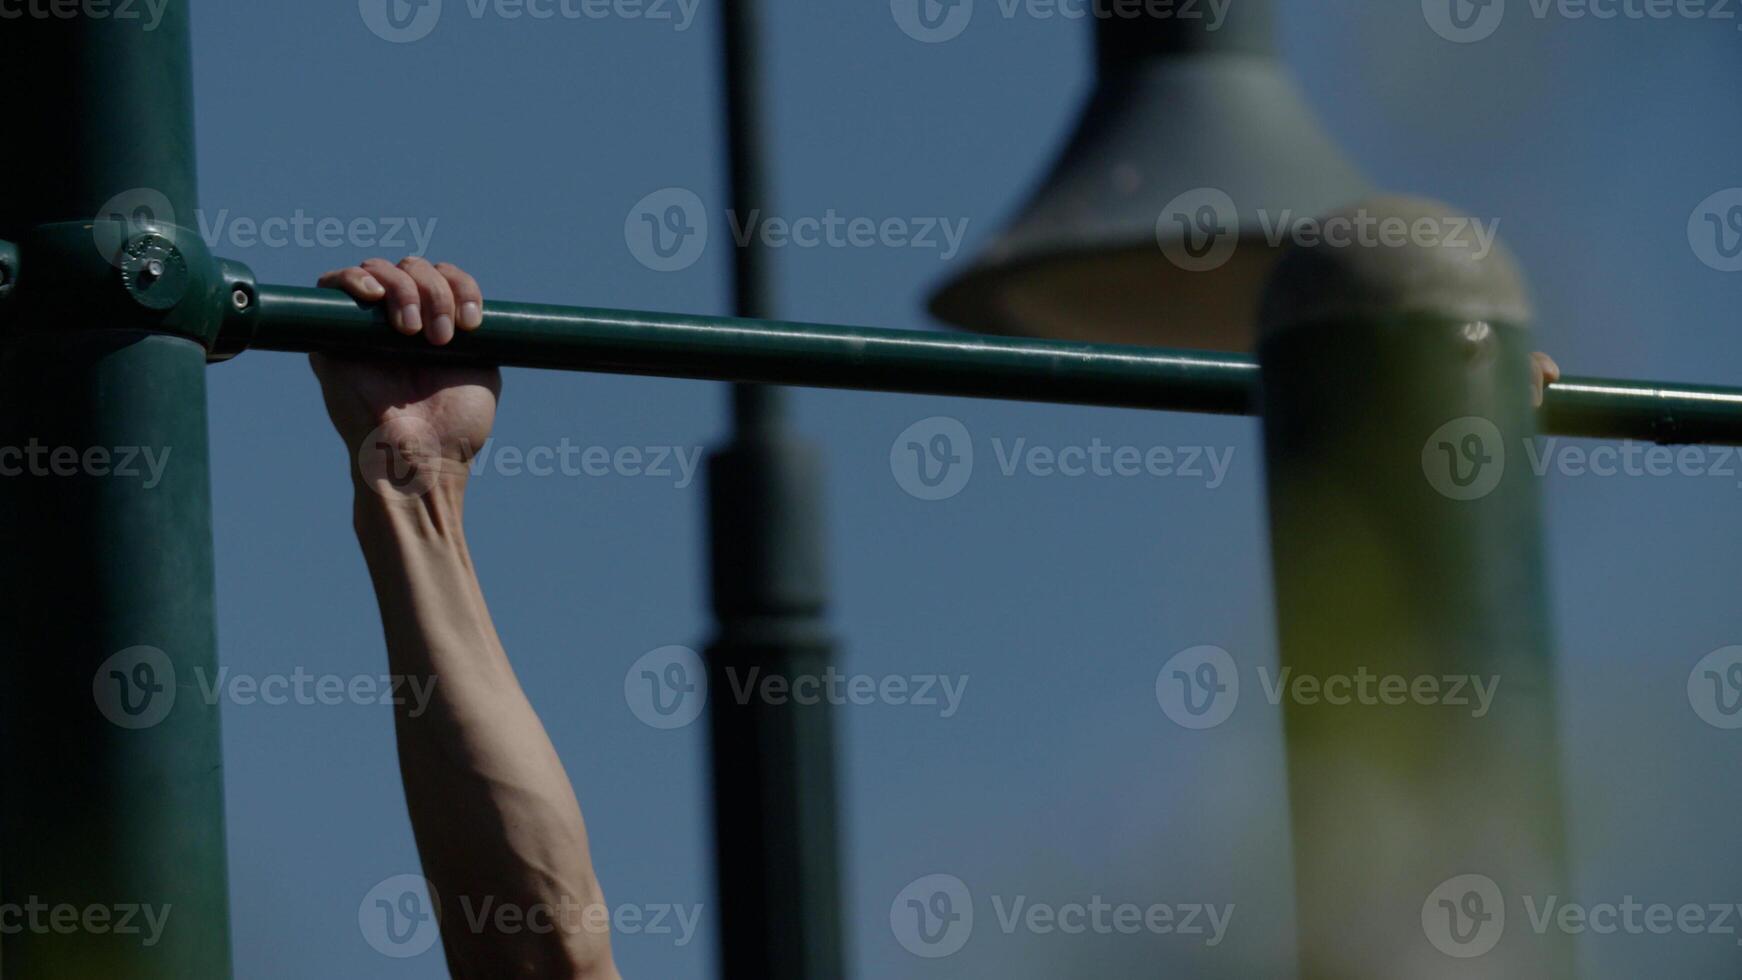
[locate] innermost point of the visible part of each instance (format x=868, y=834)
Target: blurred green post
x=776, y=842
x=1412, y=610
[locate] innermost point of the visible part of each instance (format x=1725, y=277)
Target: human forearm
x=497, y=825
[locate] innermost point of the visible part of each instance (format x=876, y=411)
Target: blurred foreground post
x=1419, y=702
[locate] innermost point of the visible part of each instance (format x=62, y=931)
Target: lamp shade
x=1159, y=223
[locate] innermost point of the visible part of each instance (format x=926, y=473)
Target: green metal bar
x=111, y=792
x=919, y=362
x=723, y=349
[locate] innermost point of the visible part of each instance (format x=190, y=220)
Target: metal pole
x=774, y=787
x=111, y=795
x=1407, y=550
x=299, y=320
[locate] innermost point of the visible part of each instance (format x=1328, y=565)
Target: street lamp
x=1155, y=224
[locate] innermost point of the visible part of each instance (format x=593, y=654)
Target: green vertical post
x=1407, y=543
x=776, y=838
x=111, y=792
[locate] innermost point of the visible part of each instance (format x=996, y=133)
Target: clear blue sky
x=527, y=142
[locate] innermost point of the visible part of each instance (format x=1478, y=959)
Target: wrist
x=429, y=510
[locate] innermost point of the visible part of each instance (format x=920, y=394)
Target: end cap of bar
x=1389, y=256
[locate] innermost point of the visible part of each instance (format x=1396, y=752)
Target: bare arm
x=497, y=825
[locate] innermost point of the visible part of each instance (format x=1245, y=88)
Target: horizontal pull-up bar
x=917, y=362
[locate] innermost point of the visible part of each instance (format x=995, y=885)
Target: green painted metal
x=304, y=320
x=111, y=796
x=1377, y=572
x=1406, y=545
x=296, y=319
x=1194, y=135
x=777, y=852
